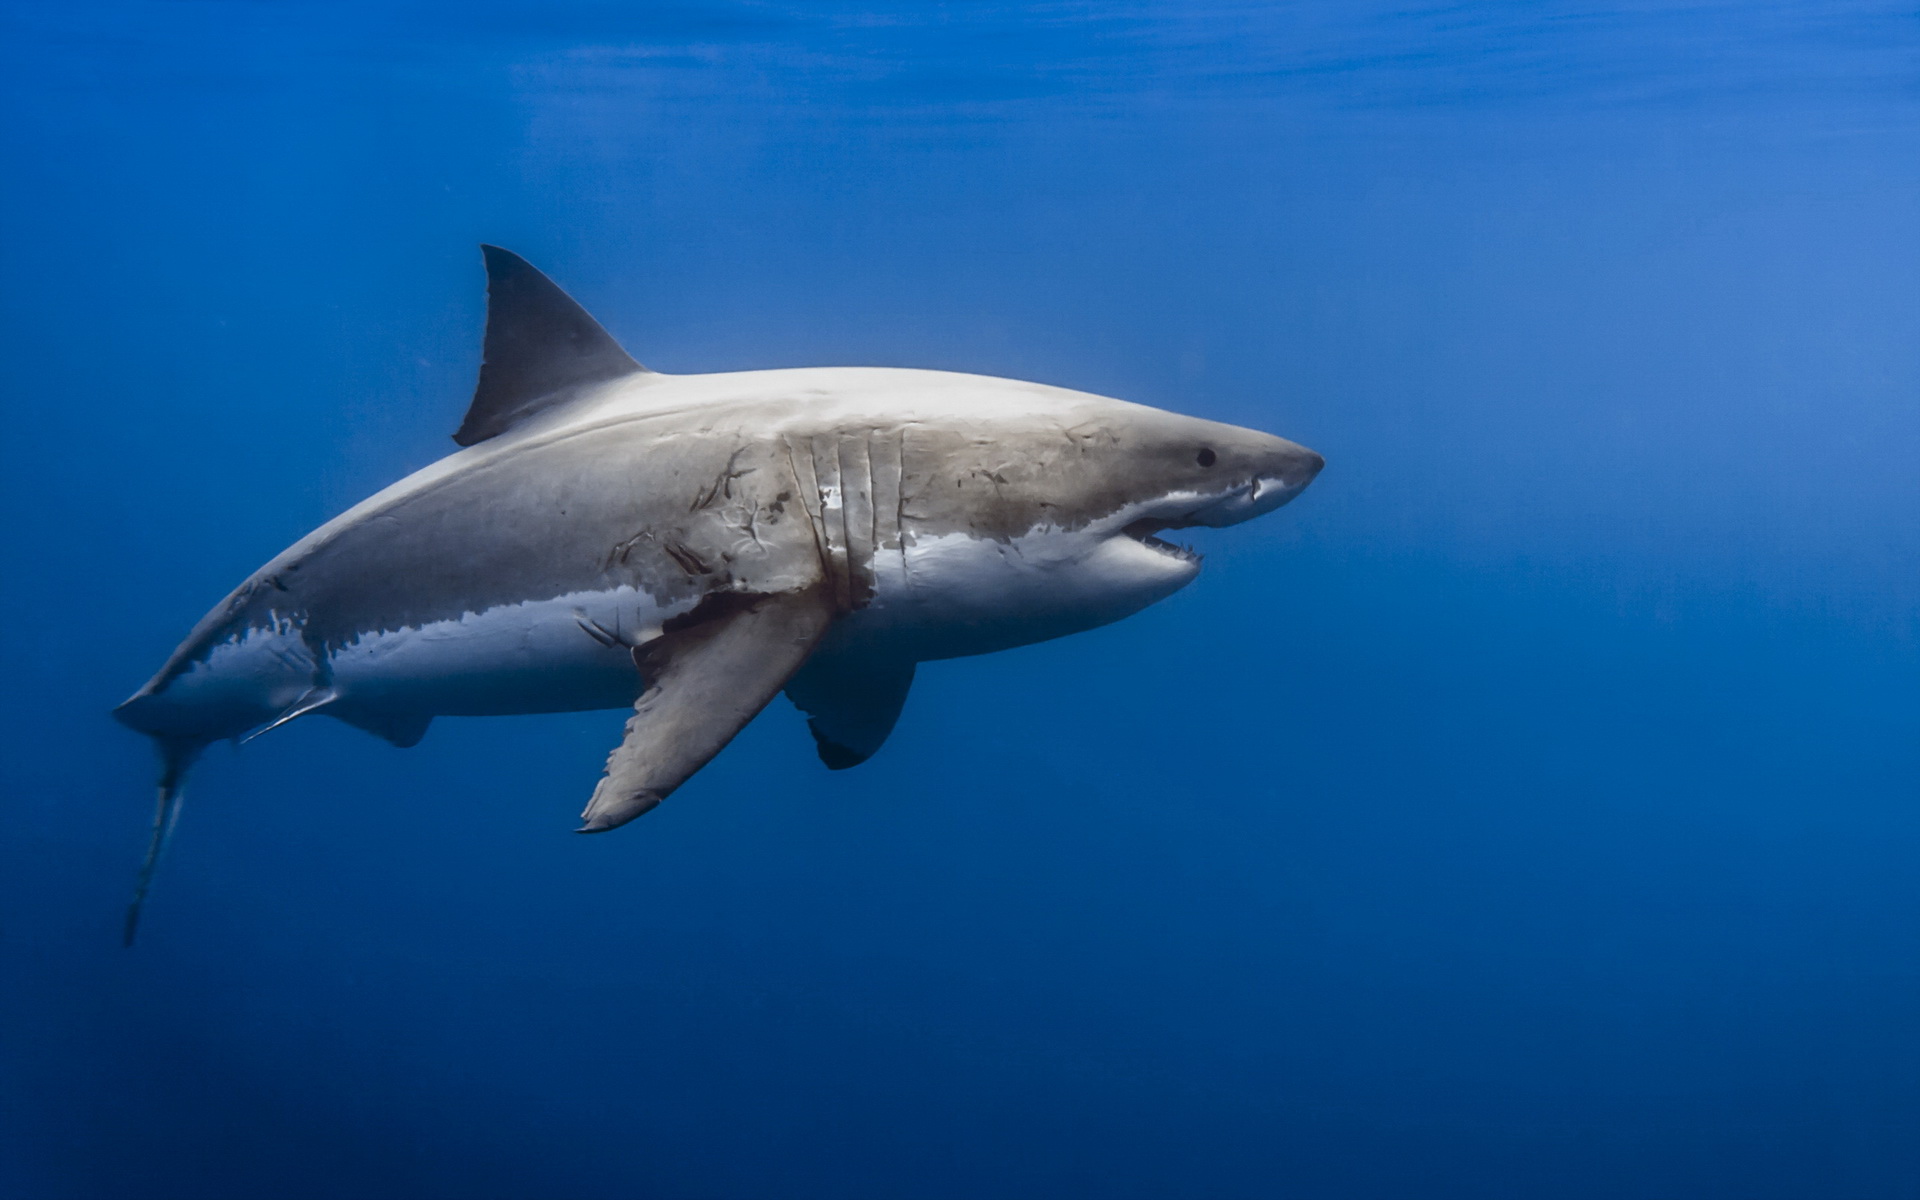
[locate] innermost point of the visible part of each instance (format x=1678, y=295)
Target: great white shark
x=691, y=545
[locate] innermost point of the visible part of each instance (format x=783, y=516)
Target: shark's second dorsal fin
x=540, y=346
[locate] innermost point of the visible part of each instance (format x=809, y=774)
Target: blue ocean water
x=1529, y=810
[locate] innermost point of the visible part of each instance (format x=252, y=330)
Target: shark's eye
x=1206, y=457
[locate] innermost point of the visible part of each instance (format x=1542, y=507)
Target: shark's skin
x=702, y=541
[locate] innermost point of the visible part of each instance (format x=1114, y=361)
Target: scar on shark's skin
x=690, y=546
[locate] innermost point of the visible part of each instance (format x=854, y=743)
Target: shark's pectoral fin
x=851, y=702
x=705, y=681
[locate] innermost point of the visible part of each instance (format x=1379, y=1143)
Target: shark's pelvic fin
x=403, y=729
x=540, y=346
x=314, y=698
x=851, y=702
x=705, y=681
x=175, y=758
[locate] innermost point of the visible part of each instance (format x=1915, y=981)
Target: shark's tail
x=175, y=757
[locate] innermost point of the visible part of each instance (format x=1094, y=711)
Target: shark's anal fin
x=175, y=758
x=540, y=345
x=705, y=681
x=851, y=702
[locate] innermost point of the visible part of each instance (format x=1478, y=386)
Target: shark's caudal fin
x=540, y=347
x=175, y=758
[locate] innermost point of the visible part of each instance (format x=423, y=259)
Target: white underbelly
x=955, y=595
x=565, y=654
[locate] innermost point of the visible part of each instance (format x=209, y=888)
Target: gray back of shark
x=692, y=545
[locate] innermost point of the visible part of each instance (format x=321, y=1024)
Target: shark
x=690, y=546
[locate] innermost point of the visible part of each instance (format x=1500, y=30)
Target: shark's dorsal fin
x=540, y=346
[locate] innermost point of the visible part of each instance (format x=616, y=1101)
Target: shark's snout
x=1280, y=474
x=1285, y=475
x=1304, y=467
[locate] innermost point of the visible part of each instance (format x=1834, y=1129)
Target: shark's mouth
x=1144, y=531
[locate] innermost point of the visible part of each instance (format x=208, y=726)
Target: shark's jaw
x=1188, y=510
x=1146, y=530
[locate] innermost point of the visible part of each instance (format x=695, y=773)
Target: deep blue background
x=1528, y=811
